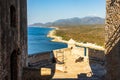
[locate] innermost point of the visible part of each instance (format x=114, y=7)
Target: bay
x=38, y=41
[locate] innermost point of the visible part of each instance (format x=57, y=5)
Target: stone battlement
x=40, y=66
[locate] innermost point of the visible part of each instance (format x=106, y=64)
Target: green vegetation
x=83, y=33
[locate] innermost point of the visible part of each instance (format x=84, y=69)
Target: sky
x=50, y=10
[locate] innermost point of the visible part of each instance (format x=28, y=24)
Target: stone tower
x=71, y=43
x=13, y=39
x=113, y=39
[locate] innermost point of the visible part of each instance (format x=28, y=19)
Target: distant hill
x=73, y=21
x=37, y=24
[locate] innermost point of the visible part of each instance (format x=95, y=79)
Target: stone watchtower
x=13, y=39
x=71, y=43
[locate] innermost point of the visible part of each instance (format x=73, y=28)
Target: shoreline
x=51, y=34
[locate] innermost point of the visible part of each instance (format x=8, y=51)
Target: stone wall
x=41, y=59
x=13, y=39
x=96, y=54
x=112, y=36
x=23, y=31
x=39, y=56
x=35, y=73
x=93, y=54
x=37, y=64
x=0, y=42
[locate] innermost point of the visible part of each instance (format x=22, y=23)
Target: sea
x=38, y=42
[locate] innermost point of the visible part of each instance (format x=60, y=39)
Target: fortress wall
x=13, y=39
x=112, y=35
x=80, y=51
x=39, y=57
x=28, y=72
x=40, y=67
x=36, y=73
x=0, y=41
x=99, y=54
x=23, y=31
x=62, y=51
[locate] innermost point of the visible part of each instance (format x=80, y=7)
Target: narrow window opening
x=12, y=16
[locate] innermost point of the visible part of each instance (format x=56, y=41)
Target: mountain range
x=72, y=22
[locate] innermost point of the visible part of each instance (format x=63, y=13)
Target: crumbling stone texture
x=97, y=54
x=112, y=39
x=13, y=39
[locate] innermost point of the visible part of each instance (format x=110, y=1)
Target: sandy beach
x=51, y=34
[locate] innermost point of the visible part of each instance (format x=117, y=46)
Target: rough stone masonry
x=112, y=36
x=13, y=39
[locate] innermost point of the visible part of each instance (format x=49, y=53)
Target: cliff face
x=113, y=39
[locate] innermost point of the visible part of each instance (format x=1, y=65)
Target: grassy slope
x=83, y=33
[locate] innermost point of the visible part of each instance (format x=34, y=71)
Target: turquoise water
x=39, y=42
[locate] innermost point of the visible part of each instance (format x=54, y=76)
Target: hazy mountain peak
x=74, y=21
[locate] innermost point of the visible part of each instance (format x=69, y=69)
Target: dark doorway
x=14, y=56
x=14, y=65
